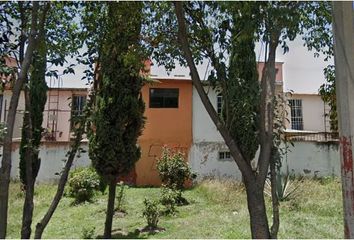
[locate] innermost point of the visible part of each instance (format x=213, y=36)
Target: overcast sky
x=303, y=73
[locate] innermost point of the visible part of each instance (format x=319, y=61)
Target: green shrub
x=87, y=233
x=169, y=198
x=173, y=169
x=151, y=213
x=82, y=184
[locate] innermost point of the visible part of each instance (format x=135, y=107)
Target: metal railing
x=312, y=136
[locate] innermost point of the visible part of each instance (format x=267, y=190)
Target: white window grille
x=297, y=122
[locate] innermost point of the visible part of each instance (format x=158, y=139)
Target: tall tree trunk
x=7, y=149
x=27, y=213
x=110, y=210
x=257, y=209
x=343, y=27
x=275, y=201
x=28, y=203
x=40, y=227
x=267, y=108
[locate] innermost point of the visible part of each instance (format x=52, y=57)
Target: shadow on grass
x=119, y=234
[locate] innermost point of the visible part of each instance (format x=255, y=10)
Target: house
x=175, y=117
x=62, y=104
x=168, y=123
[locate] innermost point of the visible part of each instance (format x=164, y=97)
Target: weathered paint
x=343, y=30
x=347, y=155
x=164, y=126
x=312, y=159
x=347, y=182
x=205, y=162
x=207, y=142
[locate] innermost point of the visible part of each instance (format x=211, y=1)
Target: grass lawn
x=216, y=210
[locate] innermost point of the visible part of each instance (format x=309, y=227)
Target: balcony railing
x=311, y=136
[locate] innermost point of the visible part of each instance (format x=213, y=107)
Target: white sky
x=303, y=73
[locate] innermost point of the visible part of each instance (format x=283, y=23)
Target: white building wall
x=313, y=112
x=305, y=158
x=204, y=130
x=204, y=160
x=52, y=160
x=207, y=142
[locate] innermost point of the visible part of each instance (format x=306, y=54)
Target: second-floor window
x=219, y=104
x=164, y=97
x=77, y=107
x=296, y=114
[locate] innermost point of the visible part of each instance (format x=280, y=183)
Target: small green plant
x=120, y=197
x=169, y=198
x=325, y=180
x=285, y=187
x=173, y=169
x=88, y=233
x=151, y=213
x=82, y=184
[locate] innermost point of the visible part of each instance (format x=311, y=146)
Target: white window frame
x=225, y=156
x=297, y=121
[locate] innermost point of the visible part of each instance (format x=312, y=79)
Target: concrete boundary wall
x=303, y=159
x=53, y=159
x=310, y=159
x=313, y=159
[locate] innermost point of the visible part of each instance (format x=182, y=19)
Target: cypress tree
x=37, y=88
x=242, y=91
x=118, y=113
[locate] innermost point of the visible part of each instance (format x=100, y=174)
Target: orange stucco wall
x=164, y=126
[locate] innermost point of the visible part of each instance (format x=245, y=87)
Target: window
x=219, y=104
x=164, y=97
x=296, y=114
x=77, y=107
x=224, y=156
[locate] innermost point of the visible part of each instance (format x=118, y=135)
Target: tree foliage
x=117, y=117
x=37, y=88
x=241, y=90
x=113, y=148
